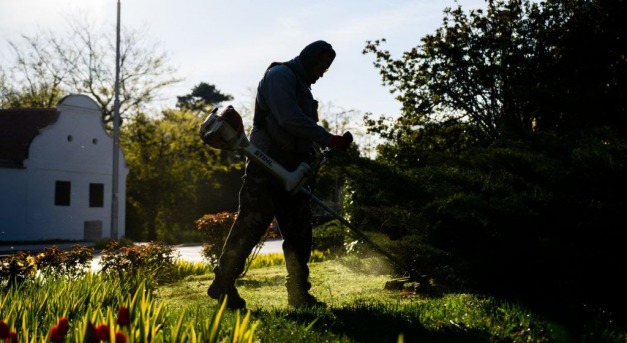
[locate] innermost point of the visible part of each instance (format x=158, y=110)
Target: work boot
x=221, y=287
x=303, y=299
x=298, y=295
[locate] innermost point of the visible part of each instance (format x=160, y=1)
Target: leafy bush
x=103, y=242
x=545, y=214
x=215, y=228
x=17, y=268
x=154, y=261
x=54, y=262
x=330, y=236
x=73, y=263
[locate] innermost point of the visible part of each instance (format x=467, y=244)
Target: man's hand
x=340, y=143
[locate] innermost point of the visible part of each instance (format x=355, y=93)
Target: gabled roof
x=18, y=128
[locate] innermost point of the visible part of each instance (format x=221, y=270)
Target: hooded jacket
x=286, y=115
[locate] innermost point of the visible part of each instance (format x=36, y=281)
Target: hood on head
x=309, y=55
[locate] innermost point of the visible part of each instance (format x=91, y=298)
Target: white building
x=56, y=168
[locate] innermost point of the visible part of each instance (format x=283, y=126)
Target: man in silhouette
x=284, y=127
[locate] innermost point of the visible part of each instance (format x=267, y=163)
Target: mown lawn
x=361, y=310
x=165, y=300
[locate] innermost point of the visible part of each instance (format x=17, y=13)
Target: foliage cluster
x=203, y=98
x=71, y=263
x=546, y=219
x=332, y=237
x=174, y=178
x=41, y=69
x=214, y=229
x=516, y=67
x=154, y=261
x=505, y=171
x=53, y=262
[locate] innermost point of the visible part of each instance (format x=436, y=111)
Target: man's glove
x=340, y=143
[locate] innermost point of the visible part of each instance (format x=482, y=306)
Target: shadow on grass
x=370, y=325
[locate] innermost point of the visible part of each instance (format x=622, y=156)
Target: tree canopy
x=174, y=178
x=518, y=66
x=505, y=170
x=47, y=66
x=203, y=97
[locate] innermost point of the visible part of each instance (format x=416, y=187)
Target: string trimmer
x=226, y=132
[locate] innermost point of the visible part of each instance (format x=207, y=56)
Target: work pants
x=262, y=198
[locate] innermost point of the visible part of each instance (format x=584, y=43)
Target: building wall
x=13, y=183
x=76, y=150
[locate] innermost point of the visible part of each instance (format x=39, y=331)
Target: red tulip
x=120, y=337
x=4, y=330
x=63, y=326
x=102, y=332
x=124, y=316
x=55, y=334
x=12, y=338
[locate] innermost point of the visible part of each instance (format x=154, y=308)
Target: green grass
x=361, y=310
x=32, y=309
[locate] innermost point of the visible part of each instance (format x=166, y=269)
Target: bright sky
x=230, y=43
